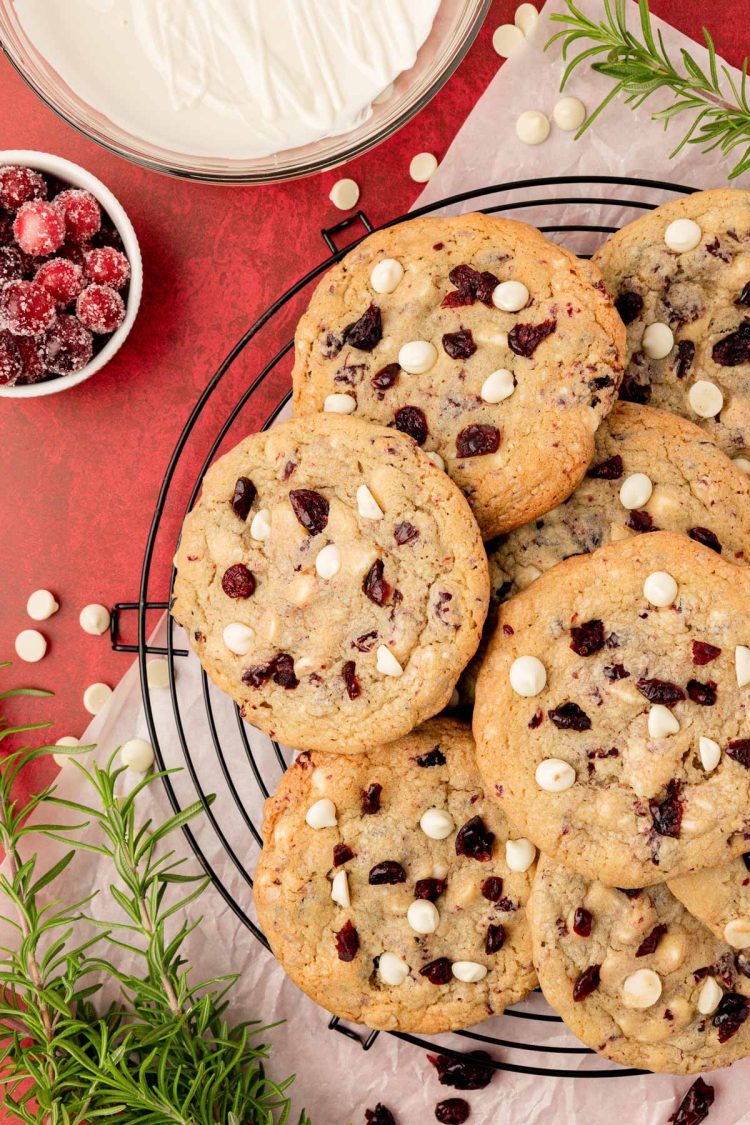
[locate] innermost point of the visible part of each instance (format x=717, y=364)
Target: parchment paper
x=336, y=1080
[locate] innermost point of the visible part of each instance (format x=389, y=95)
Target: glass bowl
x=454, y=30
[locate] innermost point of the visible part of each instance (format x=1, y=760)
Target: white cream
x=229, y=78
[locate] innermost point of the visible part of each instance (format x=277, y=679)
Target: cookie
x=392, y=890
x=636, y=977
x=720, y=898
x=613, y=710
x=494, y=349
x=332, y=581
x=680, y=277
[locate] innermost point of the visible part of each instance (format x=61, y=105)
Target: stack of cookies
x=462, y=514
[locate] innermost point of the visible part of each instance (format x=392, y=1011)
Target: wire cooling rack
x=220, y=754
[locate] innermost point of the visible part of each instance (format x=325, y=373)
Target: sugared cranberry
x=367, y=332
x=13, y=264
x=685, y=356
x=629, y=305
x=386, y=873
x=410, y=420
x=310, y=508
x=477, y=439
x=81, y=212
x=459, y=345
x=383, y=379
x=434, y=757
x=381, y=1115
x=706, y=537
x=475, y=840
x=68, y=346
x=704, y=694
x=660, y=691
x=734, y=349
x=452, y=1111
x=524, y=339
x=405, y=533
x=243, y=496
x=11, y=364
x=667, y=814
x=611, y=469
x=347, y=942
x=107, y=266
x=26, y=309
x=351, y=680
x=640, y=521
x=695, y=1105
x=587, y=983
x=62, y=279
x=6, y=229
x=371, y=799
x=704, y=653
x=583, y=920
x=492, y=888
x=101, y=309
x=615, y=672
x=34, y=364
x=39, y=228
x=282, y=670
x=438, y=972
x=739, y=751
x=493, y=942
x=374, y=585
x=19, y=185
x=569, y=716
x=651, y=941
x=632, y=390
x=587, y=638
x=469, y=1072
x=431, y=889
x=342, y=853
x=730, y=1015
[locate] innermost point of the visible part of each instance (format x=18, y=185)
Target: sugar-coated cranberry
x=730, y=1015
x=651, y=941
x=26, y=309
x=452, y=1111
x=347, y=942
x=628, y=305
x=660, y=691
x=34, y=364
x=695, y=1105
x=62, y=279
x=704, y=653
x=371, y=799
x=238, y=582
x=405, y=533
x=242, y=497
x=611, y=469
x=365, y=333
x=39, y=228
x=493, y=942
x=107, y=266
x=475, y=840
x=438, y=972
x=82, y=214
x=68, y=346
x=586, y=983
x=351, y=680
x=468, y=1072
x=569, y=716
x=477, y=439
x=685, y=356
x=524, y=339
x=6, y=229
x=342, y=853
x=375, y=586
x=492, y=888
x=19, y=185
x=411, y=420
x=381, y=1115
x=13, y=263
x=739, y=751
x=11, y=364
x=583, y=920
x=459, y=345
x=587, y=638
x=310, y=508
x=705, y=536
x=434, y=757
x=734, y=349
x=431, y=889
x=386, y=873
x=667, y=814
x=101, y=309
x=704, y=694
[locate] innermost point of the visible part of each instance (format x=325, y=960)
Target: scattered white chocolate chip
x=322, y=814
x=392, y=969
x=63, y=759
x=506, y=39
x=498, y=385
x=439, y=870
x=468, y=971
x=302, y=590
x=528, y=676
x=519, y=854
x=94, y=619
x=742, y=665
x=238, y=638
x=436, y=823
x=635, y=491
x=344, y=194
x=554, y=775
x=340, y=889
x=339, y=404
x=157, y=673
x=328, y=561
x=367, y=505
x=532, y=127
x=435, y=458
x=658, y=340
x=510, y=296
x=661, y=722
x=641, y=989
x=386, y=662
x=709, y=996
x=423, y=167
x=737, y=933
x=705, y=398
x=569, y=114
x=31, y=645
x=526, y=17
x=417, y=356
x=423, y=916
x=260, y=525
x=710, y=753
x=743, y=464
x=138, y=755
x=682, y=235
x=41, y=605
x=386, y=275
x=96, y=697
x=660, y=589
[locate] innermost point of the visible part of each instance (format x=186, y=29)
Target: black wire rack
x=218, y=752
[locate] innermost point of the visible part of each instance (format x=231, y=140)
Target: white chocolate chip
x=94, y=619
x=743, y=464
x=344, y=194
x=423, y=916
x=340, y=889
x=519, y=854
x=658, y=340
x=339, y=404
x=526, y=17
x=506, y=40
x=435, y=458
x=328, y=561
x=31, y=645
x=660, y=589
x=709, y=996
x=417, y=356
x=386, y=662
x=436, y=823
x=41, y=605
x=635, y=491
x=710, y=753
x=569, y=114
x=682, y=235
x=138, y=755
x=322, y=814
x=96, y=697
x=260, y=525
x=498, y=385
x=554, y=775
x=641, y=989
x=705, y=398
x=302, y=590
x=439, y=870
x=661, y=722
x=238, y=638
x=367, y=505
x=392, y=969
x=386, y=275
x=742, y=665
x=468, y=971
x=510, y=296
x=423, y=167
x=532, y=127
x=737, y=933
x=157, y=673
x=528, y=676
x=62, y=760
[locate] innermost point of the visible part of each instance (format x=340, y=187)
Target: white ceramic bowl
x=78, y=177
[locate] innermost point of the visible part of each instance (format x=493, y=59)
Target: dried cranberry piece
x=386, y=873
x=347, y=942
x=410, y=420
x=730, y=1015
x=587, y=983
x=739, y=749
x=704, y=653
x=705, y=694
x=434, y=757
x=524, y=339
x=351, y=680
x=381, y=1115
x=660, y=691
x=282, y=668
x=385, y=377
x=649, y=943
x=706, y=537
x=459, y=345
x=238, y=582
x=569, y=716
x=68, y=346
x=492, y=888
x=639, y=521
x=536, y=720
x=452, y=1111
x=288, y=470
x=438, y=971
x=628, y=305
x=257, y=674
x=310, y=508
x=611, y=469
x=371, y=798
x=495, y=938
x=734, y=349
x=685, y=356
x=667, y=814
x=475, y=840
x=587, y=638
x=477, y=439
x=342, y=853
x=405, y=533
x=583, y=920
x=695, y=1105
x=364, y=334
x=746, y=860
x=366, y=642
x=457, y=299
x=470, y=285
x=632, y=390
x=616, y=672
x=469, y=1072
x=244, y=494
x=375, y=586
x=744, y=297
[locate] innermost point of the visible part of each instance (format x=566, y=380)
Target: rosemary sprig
x=165, y=1050
x=641, y=67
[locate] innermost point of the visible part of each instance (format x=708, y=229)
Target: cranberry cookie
x=392, y=890
x=613, y=710
x=495, y=350
x=720, y=898
x=636, y=977
x=333, y=581
x=680, y=277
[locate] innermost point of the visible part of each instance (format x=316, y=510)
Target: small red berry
x=34, y=366
x=62, y=279
x=39, y=228
x=100, y=309
x=6, y=229
x=26, y=309
x=11, y=364
x=83, y=215
x=12, y=263
x=107, y=266
x=68, y=346
x=19, y=185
